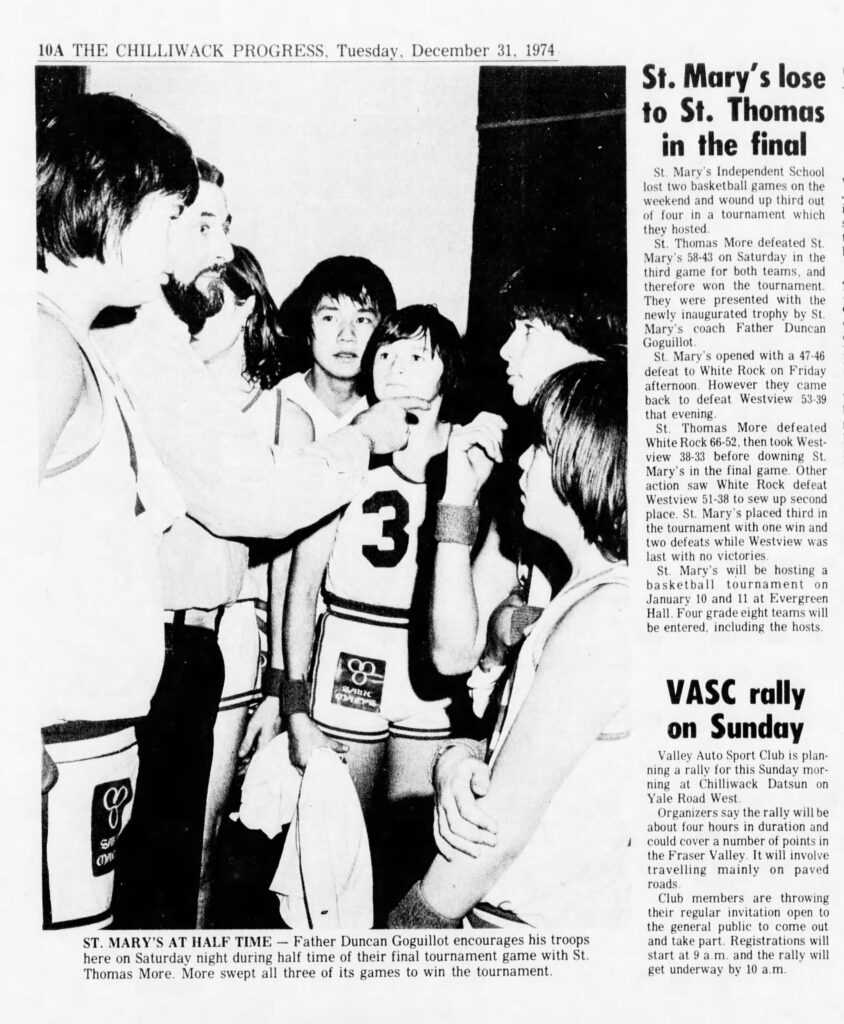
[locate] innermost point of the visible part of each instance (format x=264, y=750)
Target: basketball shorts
x=82, y=818
x=360, y=682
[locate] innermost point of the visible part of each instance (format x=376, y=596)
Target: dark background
x=551, y=185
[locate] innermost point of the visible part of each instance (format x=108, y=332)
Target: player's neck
x=76, y=290
x=337, y=395
x=227, y=367
x=158, y=313
x=587, y=560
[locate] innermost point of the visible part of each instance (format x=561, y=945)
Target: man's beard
x=191, y=304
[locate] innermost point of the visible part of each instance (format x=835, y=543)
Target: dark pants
x=157, y=881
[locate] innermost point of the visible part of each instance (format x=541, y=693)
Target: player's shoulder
x=60, y=350
x=607, y=601
x=295, y=390
x=301, y=418
x=297, y=427
x=598, y=622
x=53, y=330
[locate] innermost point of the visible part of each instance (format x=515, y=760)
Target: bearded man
x=233, y=486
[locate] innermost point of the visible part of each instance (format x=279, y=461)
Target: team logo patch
x=358, y=682
x=110, y=798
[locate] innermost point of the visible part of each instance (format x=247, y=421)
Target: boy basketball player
x=331, y=316
x=559, y=316
x=365, y=695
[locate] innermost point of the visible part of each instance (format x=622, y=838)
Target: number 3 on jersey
x=393, y=528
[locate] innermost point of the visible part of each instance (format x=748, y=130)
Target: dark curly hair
x=264, y=346
x=356, y=277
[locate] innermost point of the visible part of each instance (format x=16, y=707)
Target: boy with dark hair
x=98, y=159
x=327, y=322
x=558, y=318
x=548, y=846
x=330, y=318
x=112, y=177
x=369, y=699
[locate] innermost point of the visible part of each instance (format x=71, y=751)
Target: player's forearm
x=298, y=629
x=233, y=484
x=278, y=577
x=275, y=493
x=453, y=887
x=454, y=611
x=554, y=728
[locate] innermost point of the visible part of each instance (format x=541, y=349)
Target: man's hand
x=306, y=737
x=386, y=424
x=473, y=450
x=263, y=726
x=460, y=780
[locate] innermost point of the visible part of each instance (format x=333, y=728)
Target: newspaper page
x=451, y=401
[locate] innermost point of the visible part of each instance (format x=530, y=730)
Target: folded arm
x=560, y=718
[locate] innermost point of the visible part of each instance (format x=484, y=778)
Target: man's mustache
x=216, y=268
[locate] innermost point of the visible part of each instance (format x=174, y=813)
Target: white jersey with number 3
x=374, y=559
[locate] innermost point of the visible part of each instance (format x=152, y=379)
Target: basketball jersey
x=104, y=501
x=374, y=560
x=295, y=389
x=573, y=869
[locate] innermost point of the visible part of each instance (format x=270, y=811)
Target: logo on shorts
x=358, y=682
x=107, y=806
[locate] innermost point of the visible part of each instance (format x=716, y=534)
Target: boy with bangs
x=112, y=179
x=533, y=829
x=327, y=321
x=559, y=317
x=330, y=317
x=351, y=682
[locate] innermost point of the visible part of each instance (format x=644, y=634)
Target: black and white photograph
x=333, y=452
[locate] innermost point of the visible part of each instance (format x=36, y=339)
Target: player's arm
x=560, y=718
x=61, y=385
x=234, y=485
x=265, y=723
x=463, y=593
x=298, y=432
x=307, y=569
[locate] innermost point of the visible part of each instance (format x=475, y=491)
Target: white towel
x=324, y=876
x=270, y=789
